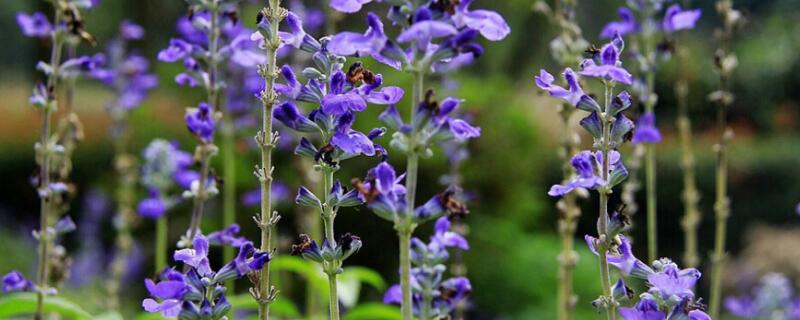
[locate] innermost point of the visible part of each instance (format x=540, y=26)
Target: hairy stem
x=650, y=174
x=602, y=223
x=266, y=139
x=329, y=216
x=406, y=308
x=44, y=171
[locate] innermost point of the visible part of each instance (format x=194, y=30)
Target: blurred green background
x=512, y=263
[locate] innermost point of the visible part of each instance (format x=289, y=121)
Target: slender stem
x=334, y=300
x=229, y=188
x=406, y=308
x=162, y=231
x=650, y=172
x=125, y=165
x=722, y=202
x=405, y=227
x=266, y=139
x=690, y=195
x=213, y=101
x=722, y=212
x=602, y=223
x=328, y=218
x=44, y=174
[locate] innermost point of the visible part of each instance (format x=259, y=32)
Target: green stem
x=44, y=174
x=722, y=212
x=406, y=308
x=267, y=139
x=690, y=195
x=161, y=243
x=329, y=216
x=229, y=188
x=602, y=223
x=652, y=222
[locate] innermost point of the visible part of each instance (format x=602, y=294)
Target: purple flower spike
x=545, y=82
x=177, y=50
x=626, y=24
x=200, y=122
x=584, y=163
x=348, y=6
x=676, y=19
x=446, y=238
x=355, y=44
x=34, y=25
x=15, y=282
x=490, y=24
x=646, y=130
x=608, y=65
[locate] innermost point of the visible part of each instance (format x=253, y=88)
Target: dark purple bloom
x=672, y=281
x=588, y=168
x=227, y=237
x=348, y=6
x=677, y=19
x=288, y=114
x=622, y=258
x=34, y=25
x=490, y=24
x=177, y=50
x=393, y=295
x=572, y=95
x=200, y=122
x=64, y=225
x=197, y=256
x=626, y=24
x=455, y=290
x=248, y=260
x=152, y=207
x=338, y=101
x=423, y=32
x=15, y=281
x=170, y=290
x=646, y=130
x=349, y=140
x=646, y=309
x=369, y=43
x=607, y=64
x=698, y=315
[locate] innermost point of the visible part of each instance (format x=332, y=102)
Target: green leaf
x=366, y=275
x=18, y=304
x=350, y=284
x=112, y=315
x=373, y=311
x=307, y=269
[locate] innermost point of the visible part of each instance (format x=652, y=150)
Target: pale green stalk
x=602, y=223
x=648, y=44
x=266, y=138
x=331, y=267
x=228, y=134
x=44, y=162
x=162, y=232
x=725, y=64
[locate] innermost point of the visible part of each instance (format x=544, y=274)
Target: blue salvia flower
x=436, y=34
x=15, y=282
x=428, y=273
x=588, y=166
x=198, y=293
x=646, y=131
x=165, y=167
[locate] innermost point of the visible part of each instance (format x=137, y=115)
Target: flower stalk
x=228, y=133
x=207, y=149
x=265, y=293
x=725, y=64
x=602, y=222
x=44, y=151
x=690, y=196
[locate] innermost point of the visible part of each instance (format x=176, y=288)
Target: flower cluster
x=674, y=18
x=670, y=294
x=165, y=166
x=434, y=297
x=127, y=74
x=772, y=298
x=439, y=35
x=198, y=293
x=383, y=192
